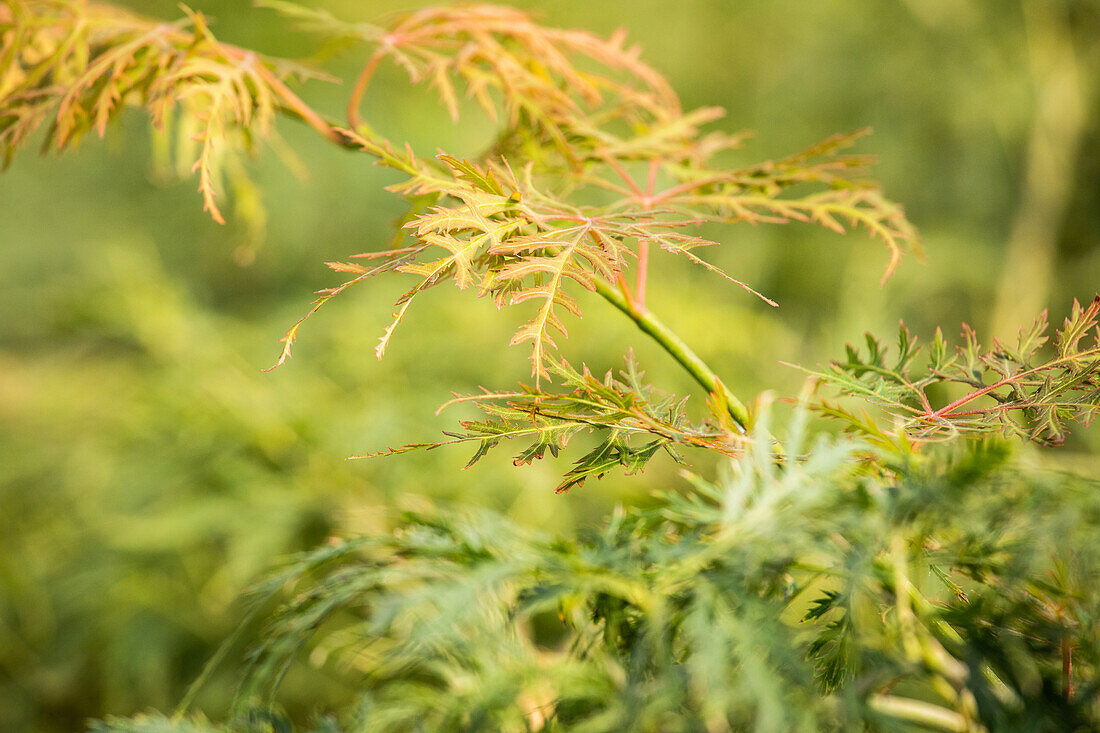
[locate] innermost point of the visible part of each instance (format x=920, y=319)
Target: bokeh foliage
x=938, y=596
x=149, y=471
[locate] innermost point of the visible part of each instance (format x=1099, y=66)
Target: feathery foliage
x=74, y=66
x=810, y=595
x=623, y=410
x=1035, y=392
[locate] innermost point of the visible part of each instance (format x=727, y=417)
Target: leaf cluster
x=1021, y=389
x=505, y=234
x=595, y=161
x=74, y=66
x=634, y=420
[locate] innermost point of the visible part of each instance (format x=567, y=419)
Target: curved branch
x=726, y=405
x=361, y=84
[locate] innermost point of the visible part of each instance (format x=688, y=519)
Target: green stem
x=725, y=401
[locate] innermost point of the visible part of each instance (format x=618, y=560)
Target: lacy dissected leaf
x=680, y=180
x=634, y=421
x=517, y=240
x=1022, y=388
x=481, y=236
x=508, y=242
x=76, y=65
x=517, y=244
x=538, y=74
x=761, y=194
x=392, y=260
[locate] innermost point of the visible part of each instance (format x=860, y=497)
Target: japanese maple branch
x=726, y=404
x=292, y=105
x=949, y=409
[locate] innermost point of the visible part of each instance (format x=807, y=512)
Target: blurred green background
x=149, y=470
